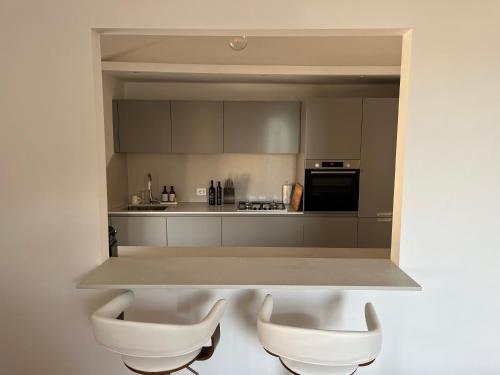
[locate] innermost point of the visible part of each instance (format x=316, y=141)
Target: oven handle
x=333, y=172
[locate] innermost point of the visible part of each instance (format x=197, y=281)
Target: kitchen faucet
x=151, y=198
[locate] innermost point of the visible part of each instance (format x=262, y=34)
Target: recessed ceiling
x=260, y=50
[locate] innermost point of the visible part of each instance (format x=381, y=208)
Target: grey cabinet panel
x=116, y=127
x=374, y=232
x=197, y=126
x=144, y=126
x=140, y=231
x=333, y=128
x=378, y=155
x=262, y=231
x=330, y=231
x=194, y=231
x=261, y=127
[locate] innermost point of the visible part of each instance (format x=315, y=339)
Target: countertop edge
x=122, y=273
x=250, y=286
x=203, y=209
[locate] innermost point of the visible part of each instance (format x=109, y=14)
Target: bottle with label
x=164, y=194
x=219, y=194
x=211, y=194
x=171, y=195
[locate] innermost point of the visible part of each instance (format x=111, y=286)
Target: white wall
x=51, y=184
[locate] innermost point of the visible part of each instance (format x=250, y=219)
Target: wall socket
x=201, y=192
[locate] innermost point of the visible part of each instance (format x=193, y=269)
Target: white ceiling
x=260, y=50
x=265, y=59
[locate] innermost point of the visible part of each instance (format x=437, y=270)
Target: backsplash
x=255, y=176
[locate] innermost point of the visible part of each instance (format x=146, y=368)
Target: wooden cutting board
x=296, y=197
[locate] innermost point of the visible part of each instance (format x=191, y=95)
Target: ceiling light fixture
x=238, y=43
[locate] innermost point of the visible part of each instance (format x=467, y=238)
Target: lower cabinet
x=262, y=231
x=374, y=232
x=140, y=231
x=330, y=231
x=194, y=231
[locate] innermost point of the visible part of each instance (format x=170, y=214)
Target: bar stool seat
x=304, y=351
x=153, y=348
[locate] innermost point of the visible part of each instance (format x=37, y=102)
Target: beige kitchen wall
x=253, y=91
x=255, y=176
x=116, y=163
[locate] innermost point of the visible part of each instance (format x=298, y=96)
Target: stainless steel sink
x=147, y=207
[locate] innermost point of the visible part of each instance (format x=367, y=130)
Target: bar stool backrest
x=140, y=339
x=320, y=347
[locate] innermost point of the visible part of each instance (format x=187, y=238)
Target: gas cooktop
x=261, y=206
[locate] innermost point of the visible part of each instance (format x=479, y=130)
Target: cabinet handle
x=384, y=220
x=333, y=172
x=384, y=214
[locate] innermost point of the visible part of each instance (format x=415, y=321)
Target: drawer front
x=140, y=231
x=330, y=232
x=375, y=232
x=262, y=231
x=194, y=231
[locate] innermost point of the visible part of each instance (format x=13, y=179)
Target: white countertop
x=202, y=208
x=247, y=272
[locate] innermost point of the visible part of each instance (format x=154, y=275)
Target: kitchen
x=59, y=167
x=229, y=179
x=335, y=136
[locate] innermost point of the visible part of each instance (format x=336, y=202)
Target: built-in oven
x=331, y=185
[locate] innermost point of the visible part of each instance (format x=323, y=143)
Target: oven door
x=331, y=190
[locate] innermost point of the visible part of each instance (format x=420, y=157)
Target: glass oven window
x=331, y=190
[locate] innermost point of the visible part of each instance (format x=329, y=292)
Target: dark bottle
x=219, y=194
x=164, y=195
x=171, y=195
x=211, y=194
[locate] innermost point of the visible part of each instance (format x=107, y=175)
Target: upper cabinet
x=142, y=126
x=197, y=126
x=378, y=155
x=333, y=128
x=192, y=126
x=261, y=127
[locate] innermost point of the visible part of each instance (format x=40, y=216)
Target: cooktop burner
x=261, y=206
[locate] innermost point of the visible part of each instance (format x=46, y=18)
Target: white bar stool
x=306, y=351
x=152, y=348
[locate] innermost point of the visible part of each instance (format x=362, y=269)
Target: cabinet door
x=374, y=232
x=333, y=128
x=330, y=231
x=140, y=231
x=378, y=156
x=144, y=126
x=194, y=231
x=261, y=127
x=262, y=231
x=197, y=126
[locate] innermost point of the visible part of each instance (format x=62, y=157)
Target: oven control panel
x=332, y=164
